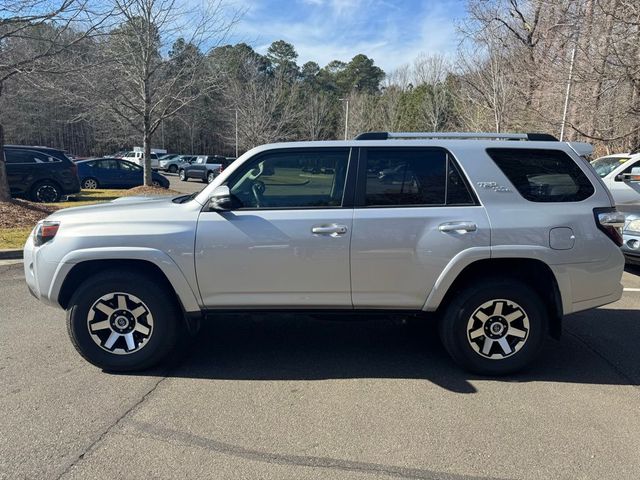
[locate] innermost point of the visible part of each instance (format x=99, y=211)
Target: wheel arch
x=156, y=264
x=533, y=272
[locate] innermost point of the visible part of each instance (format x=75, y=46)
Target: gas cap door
x=561, y=238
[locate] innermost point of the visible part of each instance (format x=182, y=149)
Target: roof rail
x=540, y=137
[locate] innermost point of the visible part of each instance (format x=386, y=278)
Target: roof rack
x=539, y=137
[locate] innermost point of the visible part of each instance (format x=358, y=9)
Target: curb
x=10, y=254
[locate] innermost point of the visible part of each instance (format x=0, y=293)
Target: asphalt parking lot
x=190, y=186
x=291, y=397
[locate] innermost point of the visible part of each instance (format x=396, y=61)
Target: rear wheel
x=494, y=327
x=123, y=321
x=89, y=184
x=173, y=168
x=46, y=192
x=183, y=175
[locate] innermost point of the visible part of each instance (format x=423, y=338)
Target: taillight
x=74, y=169
x=45, y=231
x=611, y=222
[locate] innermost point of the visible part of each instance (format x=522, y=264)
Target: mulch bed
x=20, y=213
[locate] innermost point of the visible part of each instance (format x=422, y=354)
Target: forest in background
x=137, y=77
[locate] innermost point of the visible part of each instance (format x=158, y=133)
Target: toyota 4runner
x=499, y=236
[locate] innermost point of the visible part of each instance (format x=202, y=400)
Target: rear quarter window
x=543, y=175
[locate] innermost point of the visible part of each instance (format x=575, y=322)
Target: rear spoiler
x=583, y=149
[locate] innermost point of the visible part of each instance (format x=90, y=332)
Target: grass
x=90, y=197
x=13, y=237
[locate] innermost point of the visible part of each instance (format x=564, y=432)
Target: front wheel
x=173, y=168
x=494, y=327
x=122, y=321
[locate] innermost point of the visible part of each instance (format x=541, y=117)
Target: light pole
x=236, y=132
x=346, y=117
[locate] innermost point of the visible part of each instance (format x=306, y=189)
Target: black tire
x=183, y=175
x=90, y=183
x=156, y=183
x=465, y=316
x=210, y=177
x=46, y=192
x=162, y=317
x=173, y=168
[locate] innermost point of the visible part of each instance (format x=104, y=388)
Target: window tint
x=130, y=167
x=28, y=156
x=410, y=176
x=107, y=164
x=543, y=175
x=292, y=179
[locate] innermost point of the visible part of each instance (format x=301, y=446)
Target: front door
x=287, y=245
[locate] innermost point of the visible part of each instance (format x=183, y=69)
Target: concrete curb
x=10, y=254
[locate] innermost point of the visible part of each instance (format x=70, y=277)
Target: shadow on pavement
x=598, y=347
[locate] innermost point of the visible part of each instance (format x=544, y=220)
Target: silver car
x=494, y=237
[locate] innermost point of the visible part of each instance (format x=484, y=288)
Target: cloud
x=392, y=33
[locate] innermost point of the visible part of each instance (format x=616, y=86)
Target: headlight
x=633, y=226
x=44, y=232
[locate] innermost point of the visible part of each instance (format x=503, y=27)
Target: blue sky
x=392, y=33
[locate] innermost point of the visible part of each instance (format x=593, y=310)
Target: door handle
x=333, y=230
x=457, y=227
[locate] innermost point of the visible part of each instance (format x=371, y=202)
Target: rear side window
x=543, y=175
x=413, y=176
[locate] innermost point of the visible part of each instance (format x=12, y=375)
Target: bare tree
x=157, y=63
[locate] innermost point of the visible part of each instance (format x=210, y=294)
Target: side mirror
x=222, y=200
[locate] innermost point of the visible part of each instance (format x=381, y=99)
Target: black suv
x=39, y=173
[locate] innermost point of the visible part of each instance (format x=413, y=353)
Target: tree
x=145, y=87
x=32, y=34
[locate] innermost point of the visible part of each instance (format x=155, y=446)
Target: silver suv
x=496, y=237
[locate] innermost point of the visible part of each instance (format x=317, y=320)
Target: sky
x=393, y=33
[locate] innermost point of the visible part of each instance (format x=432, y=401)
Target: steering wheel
x=258, y=189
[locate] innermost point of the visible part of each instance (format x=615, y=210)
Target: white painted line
x=632, y=289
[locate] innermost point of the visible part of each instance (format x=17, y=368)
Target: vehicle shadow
x=598, y=347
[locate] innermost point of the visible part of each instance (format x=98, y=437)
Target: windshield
x=605, y=165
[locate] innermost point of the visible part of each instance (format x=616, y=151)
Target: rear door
x=414, y=212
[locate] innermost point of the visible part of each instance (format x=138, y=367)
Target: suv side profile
x=495, y=236
x=40, y=174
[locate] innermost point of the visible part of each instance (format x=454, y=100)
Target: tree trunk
x=147, y=135
x=5, y=193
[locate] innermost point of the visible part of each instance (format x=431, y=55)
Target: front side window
x=413, y=176
x=292, y=179
x=543, y=175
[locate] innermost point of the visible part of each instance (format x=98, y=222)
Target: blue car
x=114, y=173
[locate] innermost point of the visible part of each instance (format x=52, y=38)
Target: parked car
x=617, y=173
x=114, y=173
x=40, y=174
x=631, y=238
x=172, y=165
x=205, y=168
x=495, y=238
x=138, y=158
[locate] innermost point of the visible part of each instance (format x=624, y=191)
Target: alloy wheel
x=120, y=323
x=89, y=184
x=498, y=329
